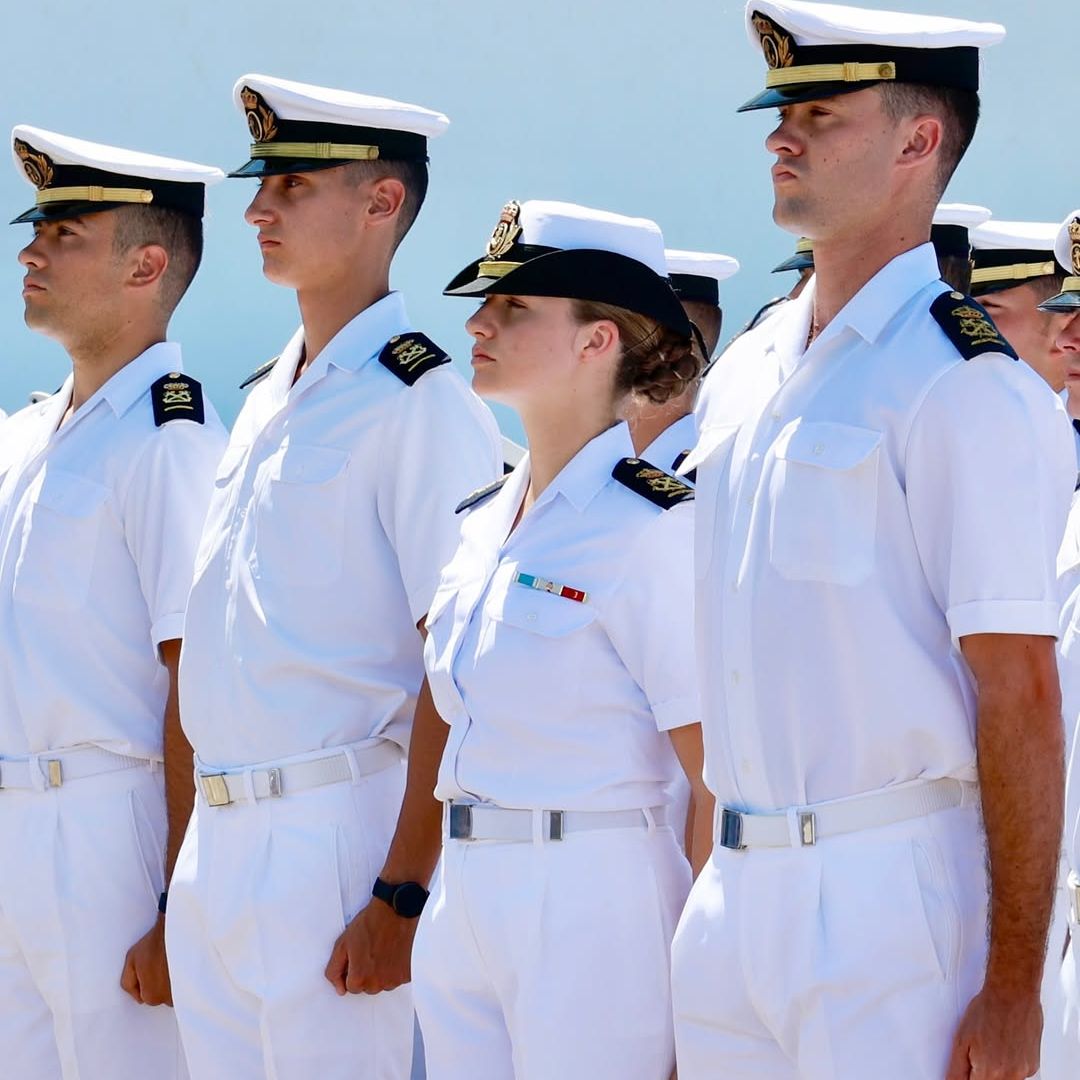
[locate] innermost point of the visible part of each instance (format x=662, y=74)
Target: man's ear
x=387, y=196
x=147, y=264
x=923, y=141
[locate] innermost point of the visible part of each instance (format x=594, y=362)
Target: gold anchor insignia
x=975, y=325
x=37, y=166
x=777, y=45
x=506, y=231
x=1074, y=251
x=410, y=354
x=261, y=119
x=176, y=395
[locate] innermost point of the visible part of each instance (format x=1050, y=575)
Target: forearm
x=1021, y=777
x=699, y=840
x=414, y=850
x=179, y=765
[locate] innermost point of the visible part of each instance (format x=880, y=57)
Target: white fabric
x=83, y=868
x=66, y=150
x=849, y=960
x=331, y=517
x=99, y=523
x=326, y=105
x=997, y=235
x=860, y=508
x=1067, y=250
x=259, y=895
x=836, y=24
x=570, y=227
x=701, y=264
x=964, y=214
x=671, y=443
x=554, y=703
x=542, y=961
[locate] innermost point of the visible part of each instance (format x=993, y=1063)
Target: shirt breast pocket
x=300, y=527
x=61, y=541
x=823, y=494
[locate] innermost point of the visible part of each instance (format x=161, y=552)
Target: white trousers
x=1060, y=1049
x=550, y=960
x=259, y=895
x=851, y=959
x=81, y=869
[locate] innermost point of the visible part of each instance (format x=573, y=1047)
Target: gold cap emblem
x=261, y=119
x=36, y=165
x=777, y=45
x=1074, y=249
x=506, y=232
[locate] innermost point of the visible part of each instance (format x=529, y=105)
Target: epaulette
x=677, y=464
x=480, y=494
x=651, y=483
x=411, y=355
x=261, y=371
x=968, y=326
x=177, y=397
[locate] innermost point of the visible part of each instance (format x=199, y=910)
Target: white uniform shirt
x=555, y=703
x=861, y=506
x=672, y=444
x=99, y=522
x=332, y=516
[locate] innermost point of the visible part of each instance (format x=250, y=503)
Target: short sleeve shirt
x=331, y=518
x=99, y=522
x=559, y=696
x=862, y=505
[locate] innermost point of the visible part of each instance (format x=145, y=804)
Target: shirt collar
x=590, y=468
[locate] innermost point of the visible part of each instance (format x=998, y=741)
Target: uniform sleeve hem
x=677, y=712
x=167, y=628
x=1036, y=617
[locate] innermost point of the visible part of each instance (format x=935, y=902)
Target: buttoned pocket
x=540, y=612
x=823, y=493
x=300, y=522
x=60, y=541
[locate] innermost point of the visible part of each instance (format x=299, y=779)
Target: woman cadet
x=560, y=656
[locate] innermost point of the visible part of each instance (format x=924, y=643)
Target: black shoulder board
x=411, y=355
x=968, y=326
x=259, y=372
x=651, y=483
x=177, y=397
x=480, y=494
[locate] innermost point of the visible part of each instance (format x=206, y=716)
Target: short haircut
x=708, y=318
x=955, y=270
x=957, y=109
x=1048, y=285
x=412, y=174
x=181, y=235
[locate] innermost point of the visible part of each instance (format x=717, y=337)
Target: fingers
x=338, y=967
x=959, y=1063
x=129, y=979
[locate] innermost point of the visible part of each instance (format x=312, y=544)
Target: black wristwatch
x=407, y=899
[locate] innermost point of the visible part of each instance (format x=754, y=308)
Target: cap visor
x=985, y=288
x=802, y=261
x=282, y=166
x=1066, y=302
x=793, y=95
x=63, y=211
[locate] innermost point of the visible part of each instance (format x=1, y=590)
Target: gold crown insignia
x=261, y=119
x=1074, y=236
x=36, y=165
x=777, y=45
x=506, y=232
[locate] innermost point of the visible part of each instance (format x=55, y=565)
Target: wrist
x=405, y=898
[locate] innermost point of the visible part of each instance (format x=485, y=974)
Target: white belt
x=482, y=821
x=1073, y=887
x=804, y=826
x=271, y=782
x=54, y=768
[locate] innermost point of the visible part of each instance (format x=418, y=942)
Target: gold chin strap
x=93, y=194
x=1072, y=285
x=821, y=73
x=1016, y=272
x=320, y=150
x=804, y=247
x=496, y=269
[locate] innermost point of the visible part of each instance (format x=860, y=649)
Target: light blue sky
x=622, y=104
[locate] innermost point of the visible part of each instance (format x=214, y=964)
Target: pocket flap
x=540, y=612
x=70, y=494
x=827, y=445
x=312, y=464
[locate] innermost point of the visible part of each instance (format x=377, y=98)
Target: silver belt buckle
x=556, y=825
x=1074, y=896
x=214, y=789
x=807, y=828
x=731, y=827
x=460, y=821
x=273, y=783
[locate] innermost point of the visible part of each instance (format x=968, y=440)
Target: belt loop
x=37, y=776
x=650, y=820
x=354, y=765
x=538, y=827
x=794, y=833
x=248, y=779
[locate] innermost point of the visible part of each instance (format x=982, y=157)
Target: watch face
x=409, y=899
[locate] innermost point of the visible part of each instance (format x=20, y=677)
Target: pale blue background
x=622, y=104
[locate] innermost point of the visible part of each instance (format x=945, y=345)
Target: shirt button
x=776, y=416
x=746, y=766
x=734, y=586
x=819, y=449
x=750, y=501
x=735, y=678
x=531, y=617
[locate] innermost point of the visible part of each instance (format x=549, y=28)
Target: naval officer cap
x=297, y=127
x=1008, y=253
x=696, y=275
x=543, y=248
x=802, y=259
x=951, y=231
x=1067, y=250
x=74, y=177
x=816, y=51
